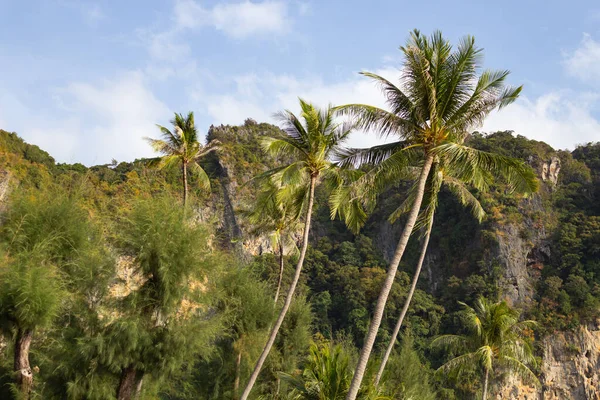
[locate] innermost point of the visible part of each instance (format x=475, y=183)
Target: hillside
x=541, y=253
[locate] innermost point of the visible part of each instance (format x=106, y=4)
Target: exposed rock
x=4, y=185
x=522, y=260
x=570, y=369
x=550, y=170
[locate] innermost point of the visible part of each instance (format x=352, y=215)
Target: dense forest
x=164, y=278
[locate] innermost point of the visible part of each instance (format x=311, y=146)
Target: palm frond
x=384, y=123
x=477, y=168
x=200, y=174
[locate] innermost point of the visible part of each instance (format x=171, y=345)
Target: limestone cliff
x=570, y=368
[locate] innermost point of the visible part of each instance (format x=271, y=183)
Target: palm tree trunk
x=280, y=271
x=21, y=362
x=485, y=384
x=236, y=381
x=185, y=184
x=407, y=302
x=365, y=353
x=290, y=293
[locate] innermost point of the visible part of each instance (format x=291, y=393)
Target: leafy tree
x=43, y=234
x=407, y=378
x=310, y=143
x=182, y=147
x=166, y=321
x=441, y=96
x=495, y=342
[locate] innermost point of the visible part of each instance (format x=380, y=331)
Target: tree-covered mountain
x=541, y=254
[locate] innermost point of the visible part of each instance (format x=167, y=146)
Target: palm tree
x=494, y=342
x=441, y=96
x=310, y=143
x=326, y=376
x=182, y=146
x=444, y=174
x=278, y=221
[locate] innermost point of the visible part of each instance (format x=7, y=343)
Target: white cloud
x=561, y=119
x=238, y=20
x=260, y=96
x=93, y=123
x=583, y=63
x=166, y=46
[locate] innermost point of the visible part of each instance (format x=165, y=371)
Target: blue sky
x=86, y=80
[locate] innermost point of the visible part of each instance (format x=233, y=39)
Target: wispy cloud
x=583, y=63
x=239, y=20
x=562, y=119
x=93, y=122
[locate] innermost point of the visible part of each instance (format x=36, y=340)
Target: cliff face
x=570, y=369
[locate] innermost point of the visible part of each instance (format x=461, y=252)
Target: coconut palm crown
x=181, y=146
x=310, y=143
x=442, y=94
x=495, y=342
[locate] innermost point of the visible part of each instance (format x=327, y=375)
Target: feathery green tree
x=42, y=235
x=182, y=147
x=311, y=143
x=441, y=96
x=495, y=342
x=165, y=321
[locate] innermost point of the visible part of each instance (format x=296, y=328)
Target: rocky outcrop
x=4, y=185
x=570, y=369
x=550, y=170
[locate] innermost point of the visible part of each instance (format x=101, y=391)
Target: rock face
x=570, y=369
x=550, y=170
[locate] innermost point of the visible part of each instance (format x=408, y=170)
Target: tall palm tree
x=310, y=142
x=278, y=220
x=440, y=97
x=494, y=342
x=182, y=147
x=447, y=175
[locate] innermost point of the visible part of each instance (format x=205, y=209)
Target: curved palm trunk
x=365, y=353
x=485, y=383
x=409, y=297
x=185, y=184
x=290, y=294
x=24, y=374
x=280, y=272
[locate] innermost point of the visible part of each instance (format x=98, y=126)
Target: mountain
x=541, y=253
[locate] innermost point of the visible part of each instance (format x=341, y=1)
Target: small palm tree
x=326, y=376
x=182, y=147
x=441, y=96
x=278, y=220
x=310, y=142
x=494, y=343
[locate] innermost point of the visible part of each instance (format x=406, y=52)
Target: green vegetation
x=442, y=97
x=182, y=147
x=111, y=289
x=495, y=342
